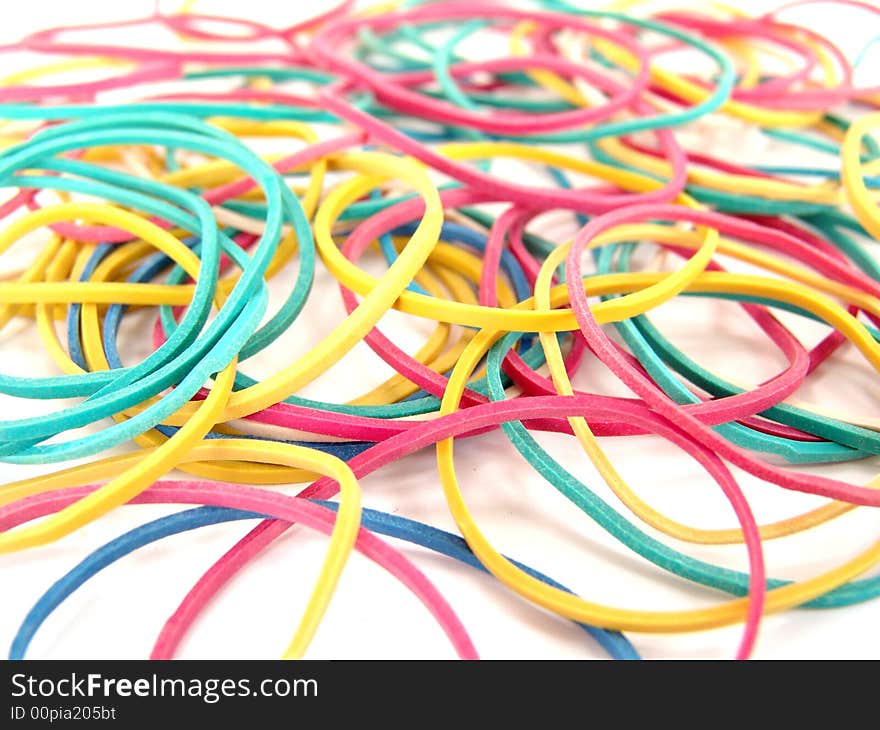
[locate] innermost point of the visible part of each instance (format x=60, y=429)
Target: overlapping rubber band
x=162, y=202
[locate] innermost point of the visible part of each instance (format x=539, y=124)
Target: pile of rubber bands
x=368, y=143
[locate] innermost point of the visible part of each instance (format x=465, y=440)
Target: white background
x=119, y=613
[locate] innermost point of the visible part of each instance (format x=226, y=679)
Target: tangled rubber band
x=510, y=203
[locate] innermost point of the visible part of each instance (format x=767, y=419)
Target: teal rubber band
x=655, y=352
x=697, y=571
x=241, y=301
x=721, y=93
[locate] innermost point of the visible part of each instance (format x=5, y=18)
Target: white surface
x=119, y=613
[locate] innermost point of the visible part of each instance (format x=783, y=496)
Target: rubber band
x=370, y=150
x=391, y=525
